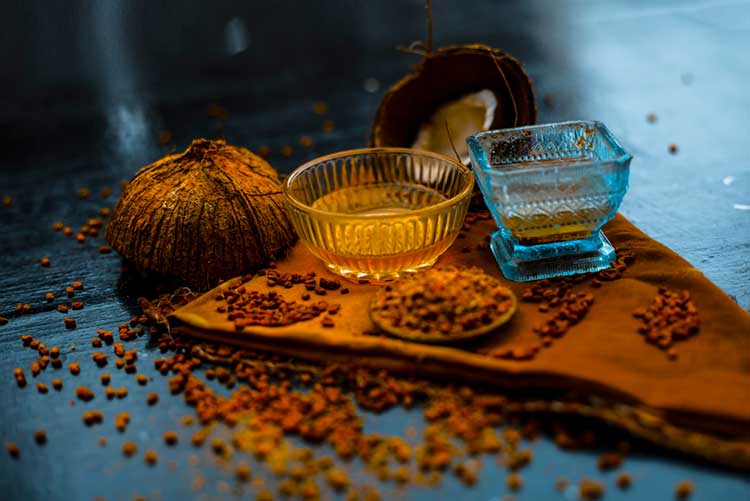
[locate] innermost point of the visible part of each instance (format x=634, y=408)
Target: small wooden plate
x=430, y=278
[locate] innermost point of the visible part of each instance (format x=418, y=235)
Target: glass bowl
x=550, y=189
x=377, y=213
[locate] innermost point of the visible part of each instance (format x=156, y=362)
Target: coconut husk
x=447, y=74
x=204, y=215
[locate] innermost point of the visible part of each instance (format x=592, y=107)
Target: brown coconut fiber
x=698, y=403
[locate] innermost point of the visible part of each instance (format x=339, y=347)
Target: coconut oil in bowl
x=378, y=213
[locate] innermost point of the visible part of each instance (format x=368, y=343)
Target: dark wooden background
x=86, y=88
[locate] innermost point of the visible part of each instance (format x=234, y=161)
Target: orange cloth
x=707, y=389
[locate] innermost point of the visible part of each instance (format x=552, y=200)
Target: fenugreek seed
x=105, y=192
x=320, y=107
x=328, y=125
x=74, y=368
x=170, y=437
x=142, y=379
x=110, y=392
x=309, y=490
x=84, y=393
x=40, y=436
x=105, y=378
x=104, y=249
x=81, y=238
x=337, y=479
x=218, y=446
x=590, y=490
x=152, y=398
x=198, y=438
x=609, y=461
x=68, y=231
x=129, y=449
x=102, y=441
x=514, y=482
x=45, y=262
x=13, y=450
x=84, y=193
x=7, y=201
x=150, y=457
x=187, y=420
x=54, y=352
x=57, y=384
x=41, y=387
x=242, y=472
x=561, y=484
x=305, y=141
x=264, y=495
x=77, y=305
x=286, y=151
x=264, y=151
x=62, y=308
x=70, y=323
x=624, y=480
x=122, y=392
x=683, y=490
x=672, y=148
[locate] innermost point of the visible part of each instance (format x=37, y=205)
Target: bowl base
x=524, y=263
x=378, y=277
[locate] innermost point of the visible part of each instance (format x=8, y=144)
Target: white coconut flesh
x=465, y=116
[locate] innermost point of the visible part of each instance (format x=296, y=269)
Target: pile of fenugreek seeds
x=271, y=403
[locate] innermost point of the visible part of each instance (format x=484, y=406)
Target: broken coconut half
x=205, y=215
x=451, y=94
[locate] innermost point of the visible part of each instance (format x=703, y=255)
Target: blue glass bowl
x=550, y=189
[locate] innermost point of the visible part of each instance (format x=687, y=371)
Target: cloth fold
x=698, y=402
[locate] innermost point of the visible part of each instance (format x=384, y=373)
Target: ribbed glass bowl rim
x=463, y=194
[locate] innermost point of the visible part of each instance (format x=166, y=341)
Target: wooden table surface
x=88, y=86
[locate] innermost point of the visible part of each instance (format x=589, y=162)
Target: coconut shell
x=448, y=74
x=205, y=215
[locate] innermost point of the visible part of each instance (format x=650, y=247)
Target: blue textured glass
x=550, y=189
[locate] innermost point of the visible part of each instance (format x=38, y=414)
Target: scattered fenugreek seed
x=683, y=490
x=40, y=436
x=514, y=482
x=242, y=472
x=85, y=394
x=624, y=480
x=170, y=437
x=590, y=490
x=129, y=449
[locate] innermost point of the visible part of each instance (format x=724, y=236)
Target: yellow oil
x=558, y=227
x=402, y=238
